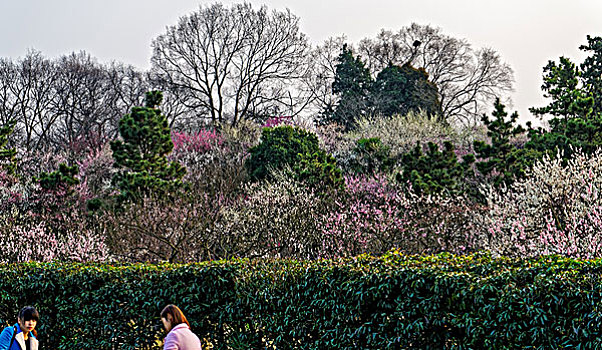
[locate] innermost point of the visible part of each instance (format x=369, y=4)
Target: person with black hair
x=21, y=336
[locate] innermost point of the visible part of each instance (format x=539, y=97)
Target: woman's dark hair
x=176, y=314
x=30, y=313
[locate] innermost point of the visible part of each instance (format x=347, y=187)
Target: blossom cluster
x=556, y=209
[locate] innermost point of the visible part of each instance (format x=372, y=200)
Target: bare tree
x=227, y=64
x=26, y=96
x=322, y=72
x=80, y=102
x=126, y=88
x=468, y=80
x=9, y=100
x=69, y=101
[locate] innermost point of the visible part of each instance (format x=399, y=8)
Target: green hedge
x=388, y=302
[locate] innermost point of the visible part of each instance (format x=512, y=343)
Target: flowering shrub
x=12, y=191
x=374, y=215
x=214, y=161
x=44, y=223
x=294, y=121
x=402, y=132
x=276, y=121
x=555, y=209
x=32, y=163
x=445, y=224
x=200, y=142
x=8, y=161
x=334, y=140
x=369, y=216
x=246, y=134
x=279, y=217
x=27, y=237
x=96, y=171
x=90, y=142
x=159, y=229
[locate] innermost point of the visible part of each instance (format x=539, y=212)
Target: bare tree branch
x=229, y=64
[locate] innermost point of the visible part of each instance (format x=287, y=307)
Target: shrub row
x=388, y=302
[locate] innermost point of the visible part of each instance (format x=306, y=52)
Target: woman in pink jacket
x=180, y=337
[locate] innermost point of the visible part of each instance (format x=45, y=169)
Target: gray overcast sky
x=526, y=33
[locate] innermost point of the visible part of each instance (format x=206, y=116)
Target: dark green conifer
x=141, y=154
x=500, y=155
x=352, y=83
x=437, y=171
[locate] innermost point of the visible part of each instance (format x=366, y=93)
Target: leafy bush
x=279, y=147
x=392, y=301
x=319, y=170
x=59, y=180
x=121, y=304
x=294, y=148
x=370, y=156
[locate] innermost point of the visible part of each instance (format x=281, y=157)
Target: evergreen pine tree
x=141, y=155
x=576, y=91
x=591, y=72
x=437, y=171
x=61, y=179
x=352, y=83
x=500, y=155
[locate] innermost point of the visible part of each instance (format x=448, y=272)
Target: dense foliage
x=575, y=90
x=436, y=170
x=500, y=156
x=396, y=90
x=393, y=301
x=288, y=147
x=404, y=89
x=352, y=82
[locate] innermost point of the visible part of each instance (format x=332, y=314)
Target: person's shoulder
x=7, y=332
x=171, y=341
x=8, y=329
